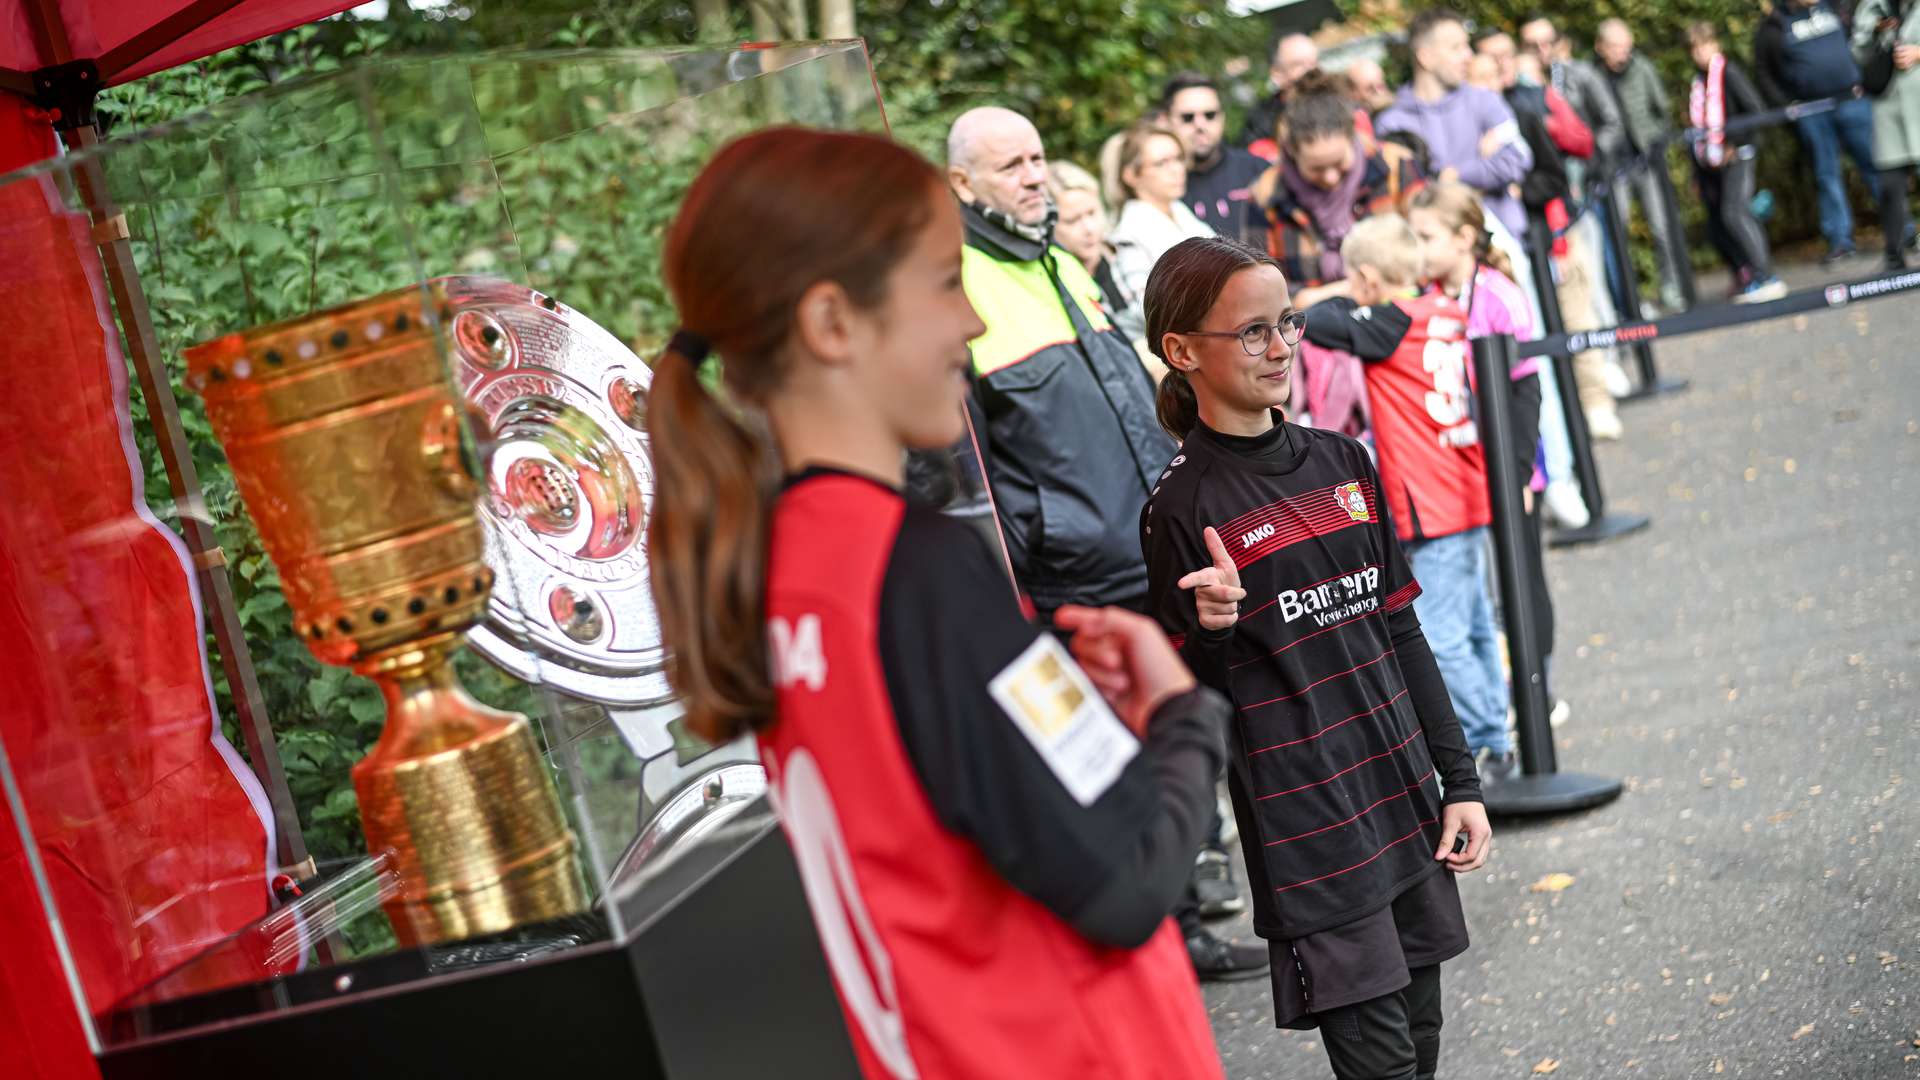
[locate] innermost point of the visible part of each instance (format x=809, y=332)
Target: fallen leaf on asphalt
x=1552, y=883
x=1805, y=1030
x=1510, y=1051
x=1717, y=1000
x=1719, y=1065
x=1546, y=1065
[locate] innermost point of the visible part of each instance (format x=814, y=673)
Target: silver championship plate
x=569, y=487
x=569, y=482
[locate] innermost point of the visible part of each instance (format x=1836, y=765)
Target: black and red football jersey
x=966, y=812
x=1333, y=774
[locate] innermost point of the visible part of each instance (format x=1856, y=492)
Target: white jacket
x=1141, y=236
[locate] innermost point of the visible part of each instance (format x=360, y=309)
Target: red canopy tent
x=103, y=640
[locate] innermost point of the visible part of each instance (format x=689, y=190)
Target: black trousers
x=1734, y=231
x=1395, y=1037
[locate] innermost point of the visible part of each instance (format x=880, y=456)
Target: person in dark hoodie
x=1073, y=447
x=1801, y=53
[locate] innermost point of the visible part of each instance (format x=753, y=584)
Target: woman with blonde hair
x=1081, y=231
x=1152, y=181
x=1462, y=261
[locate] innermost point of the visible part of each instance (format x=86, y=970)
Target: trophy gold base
x=458, y=793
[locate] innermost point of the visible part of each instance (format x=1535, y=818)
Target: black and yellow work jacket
x=1072, y=446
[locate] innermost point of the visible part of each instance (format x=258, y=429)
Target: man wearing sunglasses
x=1219, y=177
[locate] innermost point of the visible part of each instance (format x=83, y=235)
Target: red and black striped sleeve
x=1109, y=857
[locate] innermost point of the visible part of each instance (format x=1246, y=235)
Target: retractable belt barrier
x=1600, y=188
x=1701, y=320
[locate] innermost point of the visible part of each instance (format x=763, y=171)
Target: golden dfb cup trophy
x=344, y=433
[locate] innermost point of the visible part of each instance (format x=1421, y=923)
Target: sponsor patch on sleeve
x=1049, y=699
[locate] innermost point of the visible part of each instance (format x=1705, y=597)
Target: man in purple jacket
x=1470, y=133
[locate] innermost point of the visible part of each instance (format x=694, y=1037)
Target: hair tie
x=691, y=346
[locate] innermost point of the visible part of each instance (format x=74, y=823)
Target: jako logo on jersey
x=1249, y=539
x=1354, y=503
x=797, y=653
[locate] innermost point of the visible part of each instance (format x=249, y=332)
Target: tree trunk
x=711, y=17
x=836, y=19
x=779, y=20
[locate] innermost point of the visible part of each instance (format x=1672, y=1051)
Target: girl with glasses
x=1274, y=565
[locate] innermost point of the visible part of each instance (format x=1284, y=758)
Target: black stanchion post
x=1600, y=525
x=1542, y=788
x=1650, y=384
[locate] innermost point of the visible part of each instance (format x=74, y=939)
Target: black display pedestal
x=725, y=979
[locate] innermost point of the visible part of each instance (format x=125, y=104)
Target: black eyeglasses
x=1258, y=338
x=1189, y=117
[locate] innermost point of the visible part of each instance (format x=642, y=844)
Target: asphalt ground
x=1750, y=667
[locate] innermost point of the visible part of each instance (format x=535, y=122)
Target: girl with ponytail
x=990, y=833
x=1463, y=262
x=1273, y=561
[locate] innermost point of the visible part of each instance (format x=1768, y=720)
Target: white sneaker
x=1605, y=426
x=1616, y=379
x=1564, y=505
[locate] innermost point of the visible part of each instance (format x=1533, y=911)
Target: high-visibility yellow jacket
x=1072, y=444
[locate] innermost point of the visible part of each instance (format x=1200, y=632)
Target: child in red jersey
x=1414, y=346
x=990, y=834
x=1272, y=559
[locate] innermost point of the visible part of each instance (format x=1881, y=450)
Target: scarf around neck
x=1707, y=108
x=1334, y=213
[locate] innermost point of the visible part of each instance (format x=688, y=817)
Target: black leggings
x=1395, y=1037
x=1731, y=226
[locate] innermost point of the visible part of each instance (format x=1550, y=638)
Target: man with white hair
x=1646, y=112
x=1073, y=445
x=1293, y=56
x=1367, y=83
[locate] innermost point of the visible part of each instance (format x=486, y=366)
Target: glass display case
x=333, y=408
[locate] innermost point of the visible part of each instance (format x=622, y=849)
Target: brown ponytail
x=772, y=215
x=1180, y=291
x=1175, y=405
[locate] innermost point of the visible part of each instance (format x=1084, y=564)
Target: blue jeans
x=1848, y=127
x=1456, y=612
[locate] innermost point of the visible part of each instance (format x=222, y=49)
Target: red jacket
x=1566, y=129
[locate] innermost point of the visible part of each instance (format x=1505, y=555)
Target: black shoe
x=1498, y=768
x=1213, y=883
x=1217, y=960
x=1895, y=261
x=1837, y=255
